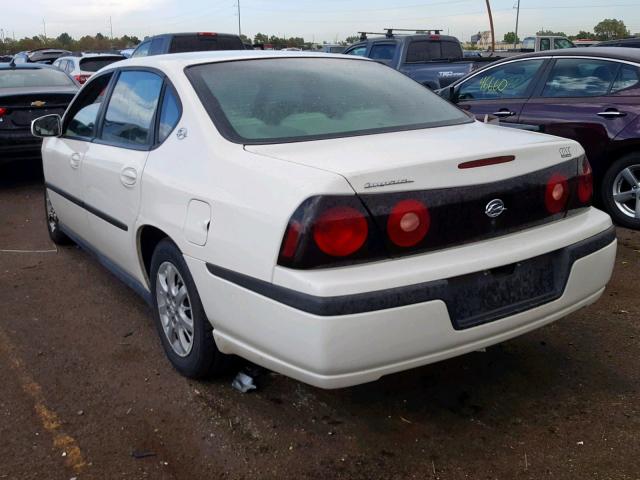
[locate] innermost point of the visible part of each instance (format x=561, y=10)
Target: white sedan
x=321, y=215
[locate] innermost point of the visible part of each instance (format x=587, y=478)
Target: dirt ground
x=86, y=390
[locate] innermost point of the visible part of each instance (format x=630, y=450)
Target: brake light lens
x=3, y=111
x=81, y=79
x=408, y=223
x=557, y=193
x=207, y=34
x=340, y=231
x=291, y=239
x=585, y=181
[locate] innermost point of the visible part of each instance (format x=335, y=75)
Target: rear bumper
x=19, y=145
x=336, y=350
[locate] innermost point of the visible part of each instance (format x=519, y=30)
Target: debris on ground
x=142, y=454
x=243, y=383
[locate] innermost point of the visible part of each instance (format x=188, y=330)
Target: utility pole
x=493, y=37
x=44, y=27
x=111, y=29
x=239, y=24
x=515, y=40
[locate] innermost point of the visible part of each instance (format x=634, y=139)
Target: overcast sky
x=312, y=19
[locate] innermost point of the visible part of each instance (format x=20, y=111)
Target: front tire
x=621, y=191
x=182, y=325
x=53, y=224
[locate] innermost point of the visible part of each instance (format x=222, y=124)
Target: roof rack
x=389, y=32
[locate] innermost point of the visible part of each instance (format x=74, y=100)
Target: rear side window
x=384, y=51
x=169, y=114
x=156, y=47
x=80, y=120
x=545, y=44
x=580, y=77
x=131, y=108
x=95, y=64
x=627, y=82
x=204, y=43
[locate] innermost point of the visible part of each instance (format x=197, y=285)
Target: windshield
x=33, y=77
x=294, y=99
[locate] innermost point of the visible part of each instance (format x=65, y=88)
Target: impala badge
x=565, y=152
x=38, y=104
x=494, y=208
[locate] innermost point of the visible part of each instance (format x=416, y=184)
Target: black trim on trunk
x=452, y=290
x=98, y=213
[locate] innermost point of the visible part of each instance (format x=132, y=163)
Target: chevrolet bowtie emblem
x=38, y=104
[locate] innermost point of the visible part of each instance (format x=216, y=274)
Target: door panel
x=63, y=165
x=111, y=179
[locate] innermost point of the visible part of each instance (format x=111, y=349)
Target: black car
x=623, y=42
x=41, y=55
x=188, y=42
x=29, y=91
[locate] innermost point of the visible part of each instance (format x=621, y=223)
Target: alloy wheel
x=174, y=308
x=626, y=191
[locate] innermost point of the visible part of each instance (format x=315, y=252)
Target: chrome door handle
x=75, y=160
x=128, y=176
x=504, y=113
x=611, y=114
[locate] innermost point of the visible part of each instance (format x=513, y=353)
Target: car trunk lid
x=24, y=105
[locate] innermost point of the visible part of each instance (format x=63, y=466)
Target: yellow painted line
x=50, y=421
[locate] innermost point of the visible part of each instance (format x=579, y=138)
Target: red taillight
x=557, y=193
x=81, y=79
x=3, y=111
x=434, y=37
x=291, y=238
x=408, y=223
x=585, y=181
x=207, y=34
x=340, y=231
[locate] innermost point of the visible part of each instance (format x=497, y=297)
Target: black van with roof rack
x=188, y=42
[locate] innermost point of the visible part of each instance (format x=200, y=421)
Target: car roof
x=621, y=40
x=182, y=34
x=26, y=66
x=178, y=61
x=613, y=53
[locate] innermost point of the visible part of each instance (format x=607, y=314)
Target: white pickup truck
x=540, y=43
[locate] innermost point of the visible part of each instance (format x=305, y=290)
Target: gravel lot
x=85, y=386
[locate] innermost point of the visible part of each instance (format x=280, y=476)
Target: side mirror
x=47, y=126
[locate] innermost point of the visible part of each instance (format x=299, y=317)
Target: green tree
x=610, y=29
x=582, y=35
x=352, y=39
x=65, y=40
x=261, y=38
x=510, y=37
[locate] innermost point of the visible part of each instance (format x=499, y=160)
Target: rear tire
x=183, y=327
x=621, y=191
x=53, y=224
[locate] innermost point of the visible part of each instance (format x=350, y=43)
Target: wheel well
x=149, y=237
x=616, y=154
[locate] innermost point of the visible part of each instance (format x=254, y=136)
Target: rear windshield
x=428, y=50
x=204, y=43
x=95, y=64
x=36, y=77
x=295, y=99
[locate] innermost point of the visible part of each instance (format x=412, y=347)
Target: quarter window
x=81, y=117
x=131, y=108
x=627, y=82
x=580, y=77
x=169, y=114
x=511, y=80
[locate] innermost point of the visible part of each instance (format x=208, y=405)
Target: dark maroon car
x=591, y=95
